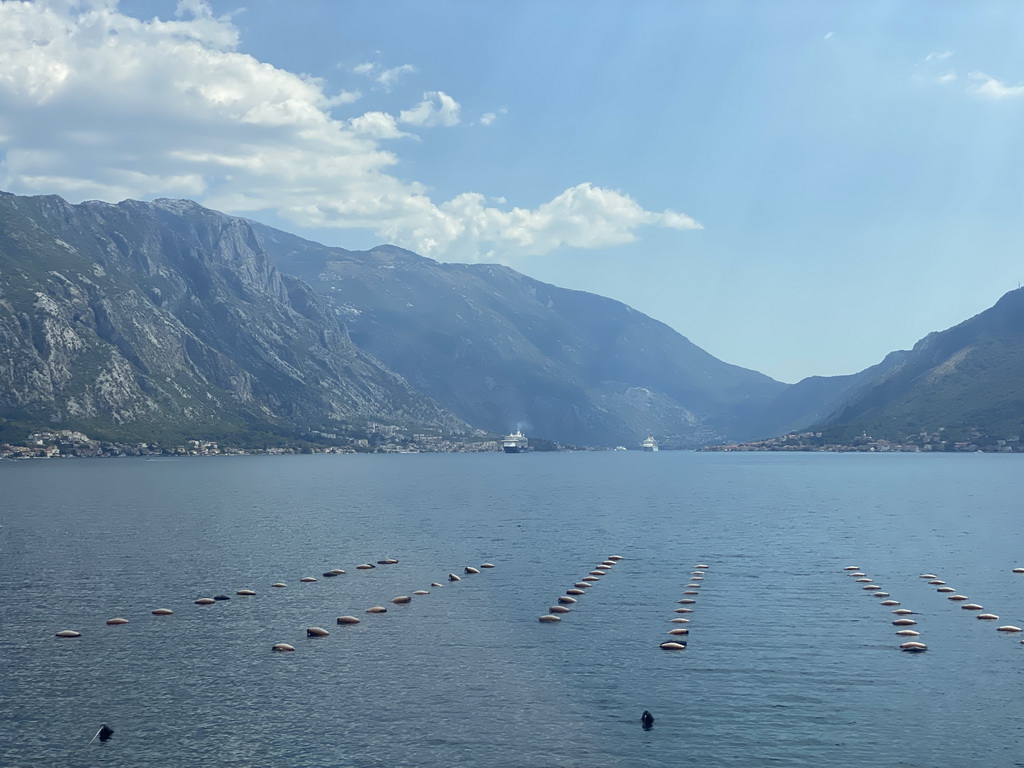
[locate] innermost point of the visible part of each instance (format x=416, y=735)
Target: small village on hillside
x=924, y=442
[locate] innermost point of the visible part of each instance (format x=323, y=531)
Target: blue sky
x=797, y=187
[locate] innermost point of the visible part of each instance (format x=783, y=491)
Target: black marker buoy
x=104, y=733
x=647, y=719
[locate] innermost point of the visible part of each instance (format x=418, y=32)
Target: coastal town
x=925, y=442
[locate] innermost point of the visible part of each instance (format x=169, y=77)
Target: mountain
x=142, y=319
x=503, y=351
x=964, y=381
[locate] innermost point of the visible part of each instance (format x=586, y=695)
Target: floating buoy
x=1018, y=570
x=377, y=609
x=679, y=621
x=204, y=601
x=902, y=611
x=913, y=647
x=972, y=607
x=558, y=609
x=988, y=616
x=348, y=620
x=945, y=589
x=162, y=612
x=696, y=573
x=582, y=584
x=672, y=645
x=245, y=592
x=908, y=633
x=117, y=621
x=890, y=602
x=337, y=571
x=684, y=610
x=879, y=594
x=679, y=631
x=591, y=578
x=279, y=584
x=487, y=565
x=686, y=601
x=852, y=568
x=317, y=632
x=904, y=622
x=421, y=592
x=937, y=582
x=1008, y=628
x=69, y=633
x=858, y=573
x=958, y=597
x=596, y=573
x=929, y=576
x=387, y=561
x=546, y=618
x=471, y=569
x=328, y=574
x=697, y=578
x=693, y=586
x=702, y=566
x=608, y=562
x=566, y=599
x=364, y=567
x=871, y=586
x=221, y=597
x=308, y=579
x=616, y=558
x=435, y=584
x=864, y=580
x=575, y=591
x=453, y=577
x=401, y=599
x=282, y=647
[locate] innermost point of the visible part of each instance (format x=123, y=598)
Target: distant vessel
x=514, y=443
x=650, y=444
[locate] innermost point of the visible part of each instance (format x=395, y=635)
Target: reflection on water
x=788, y=661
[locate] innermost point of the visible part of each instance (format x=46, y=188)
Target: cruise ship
x=514, y=443
x=650, y=444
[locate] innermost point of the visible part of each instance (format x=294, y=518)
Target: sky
x=797, y=187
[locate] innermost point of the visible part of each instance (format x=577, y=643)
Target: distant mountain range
x=138, y=320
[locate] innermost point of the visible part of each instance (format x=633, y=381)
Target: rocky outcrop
x=130, y=317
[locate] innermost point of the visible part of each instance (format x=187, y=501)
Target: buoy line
x=580, y=588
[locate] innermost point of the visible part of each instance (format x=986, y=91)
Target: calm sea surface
x=790, y=662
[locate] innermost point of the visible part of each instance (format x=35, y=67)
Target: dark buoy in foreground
x=453, y=577
x=647, y=720
x=104, y=733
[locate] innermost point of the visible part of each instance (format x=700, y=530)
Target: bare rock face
x=141, y=315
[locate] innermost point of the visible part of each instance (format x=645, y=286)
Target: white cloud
x=938, y=56
x=97, y=104
x=994, y=89
x=386, y=77
x=949, y=77
x=437, y=108
x=828, y=35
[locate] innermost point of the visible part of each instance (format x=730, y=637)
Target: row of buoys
x=967, y=605
x=901, y=622
x=314, y=632
x=578, y=590
x=120, y=620
x=688, y=600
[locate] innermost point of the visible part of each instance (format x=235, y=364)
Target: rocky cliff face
x=505, y=351
x=120, y=318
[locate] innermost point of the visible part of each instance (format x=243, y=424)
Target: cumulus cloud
x=991, y=88
x=437, y=108
x=97, y=104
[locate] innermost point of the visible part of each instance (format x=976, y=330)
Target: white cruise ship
x=514, y=443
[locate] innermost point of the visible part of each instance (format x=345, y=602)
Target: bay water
x=790, y=662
